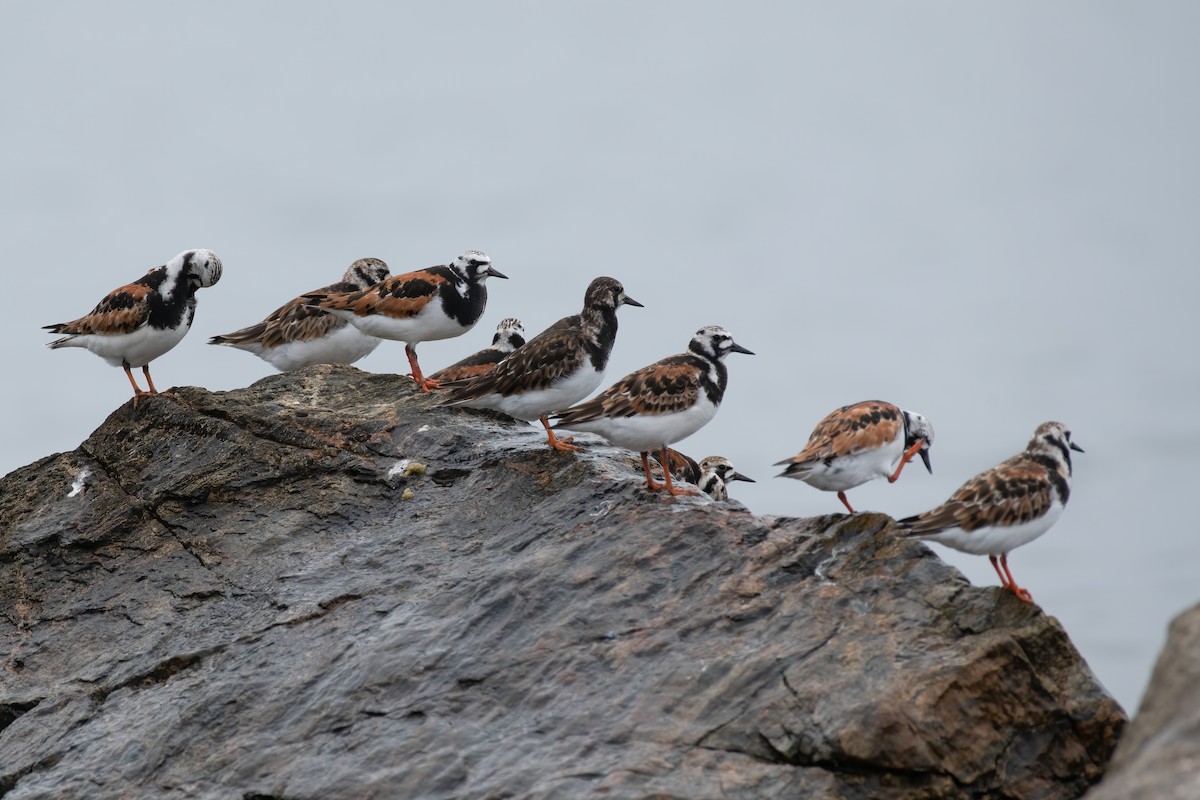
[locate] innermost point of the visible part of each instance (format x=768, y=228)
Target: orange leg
x=1012, y=583
x=845, y=502
x=907, y=457
x=563, y=444
x=137, y=390
x=425, y=383
x=146, y=372
x=650, y=484
x=671, y=488
x=996, y=566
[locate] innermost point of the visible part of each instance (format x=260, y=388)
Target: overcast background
x=986, y=213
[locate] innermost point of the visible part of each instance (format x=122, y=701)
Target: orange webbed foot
x=426, y=384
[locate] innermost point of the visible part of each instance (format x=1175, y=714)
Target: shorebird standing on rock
x=660, y=404
x=138, y=322
x=1007, y=506
x=435, y=303
x=561, y=365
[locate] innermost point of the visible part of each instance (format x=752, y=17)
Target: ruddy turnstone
x=711, y=475
x=510, y=334
x=561, y=365
x=297, y=335
x=716, y=472
x=859, y=443
x=1007, y=506
x=140, y=321
x=435, y=303
x=660, y=404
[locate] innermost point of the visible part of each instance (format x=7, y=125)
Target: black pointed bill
x=924, y=454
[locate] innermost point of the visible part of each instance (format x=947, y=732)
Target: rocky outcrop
x=1159, y=755
x=325, y=586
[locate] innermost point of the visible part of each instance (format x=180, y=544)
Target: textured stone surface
x=242, y=605
x=1159, y=755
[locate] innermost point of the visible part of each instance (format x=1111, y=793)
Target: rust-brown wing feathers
x=294, y=321
x=471, y=367
x=851, y=429
x=461, y=373
x=666, y=387
x=124, y=310
x=1013, y=492
x=400, y=296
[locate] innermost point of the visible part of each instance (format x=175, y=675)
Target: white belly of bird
x=650, y=431
x=855, y=469
x=994, y=540
x=533, y=404
x=345, y=345
x=137, y=349
x=430, y=324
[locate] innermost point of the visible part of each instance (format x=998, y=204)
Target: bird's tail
x=238, y=338
x=60, y=327
x=794, y=469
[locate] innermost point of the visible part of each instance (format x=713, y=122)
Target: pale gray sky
x=986, y=213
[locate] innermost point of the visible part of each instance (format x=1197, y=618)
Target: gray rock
x=1159, y=755
x=240, y=604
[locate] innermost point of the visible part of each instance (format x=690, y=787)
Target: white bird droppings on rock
x=80, y=484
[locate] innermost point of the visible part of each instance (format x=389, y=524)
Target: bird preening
x=140, y=321
x=859, y=443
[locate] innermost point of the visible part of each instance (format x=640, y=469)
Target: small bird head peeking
x=366, y=272
x=510, y=334
x=716, y=473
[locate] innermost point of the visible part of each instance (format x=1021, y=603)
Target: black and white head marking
x=510, y=334
x=365, y=272
x=917, y=427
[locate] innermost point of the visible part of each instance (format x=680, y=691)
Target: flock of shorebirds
x=547, y=377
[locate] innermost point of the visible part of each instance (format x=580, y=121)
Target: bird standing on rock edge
x=1007, y=506
x=662, y=403
x=435, y=303
x=138, y=322
x=560, y=366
